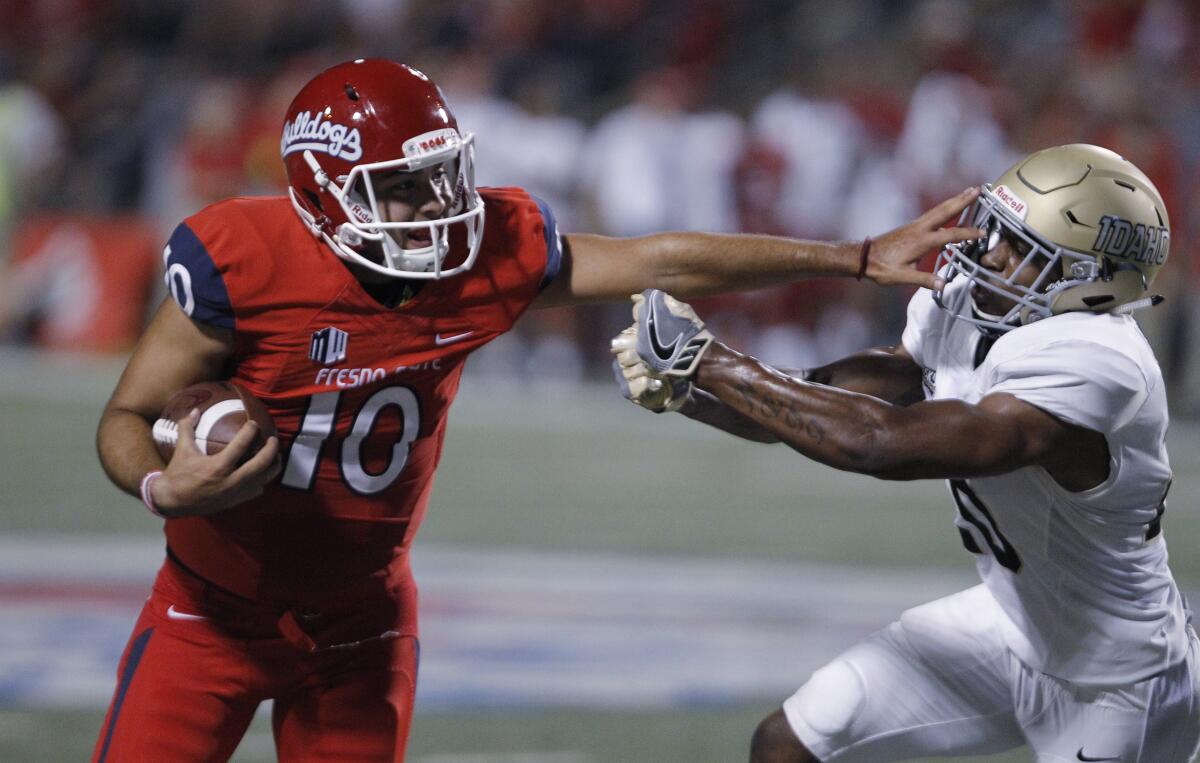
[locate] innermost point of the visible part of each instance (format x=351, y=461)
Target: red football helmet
x=363, y=119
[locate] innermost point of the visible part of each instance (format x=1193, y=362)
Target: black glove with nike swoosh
x=671, y=338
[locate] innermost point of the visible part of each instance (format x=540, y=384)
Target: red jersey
x=359, y=392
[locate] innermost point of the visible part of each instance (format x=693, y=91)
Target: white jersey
x=1081, y=577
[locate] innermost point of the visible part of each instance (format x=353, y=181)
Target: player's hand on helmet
x=638, y=383
x=670, y=337
x=195, y=484
x=893, y=257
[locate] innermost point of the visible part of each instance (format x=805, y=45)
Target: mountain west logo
x=1132, y=241
x=310, y=133
x=328, y=346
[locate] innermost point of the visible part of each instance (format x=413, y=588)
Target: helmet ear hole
x=312, y=199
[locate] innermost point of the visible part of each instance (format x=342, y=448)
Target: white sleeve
x=922, y=333
x=1083, y=383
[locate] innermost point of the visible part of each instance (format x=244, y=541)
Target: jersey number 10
x=318, y=424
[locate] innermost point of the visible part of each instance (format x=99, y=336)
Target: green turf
x=563, y=736
x=541, y=469
x=549, y=470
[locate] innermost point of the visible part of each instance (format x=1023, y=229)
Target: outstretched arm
x=600, y=268
x=930, y=439
x=886, y=373
x=856, y=432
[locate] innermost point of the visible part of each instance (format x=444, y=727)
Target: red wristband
x=147, y=498
x=863, y=255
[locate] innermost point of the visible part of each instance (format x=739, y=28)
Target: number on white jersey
x=1154, y=527
x=979, y=516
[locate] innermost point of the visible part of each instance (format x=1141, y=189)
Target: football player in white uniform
x=1028, y=386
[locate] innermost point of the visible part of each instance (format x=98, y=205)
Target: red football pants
x=188, y=685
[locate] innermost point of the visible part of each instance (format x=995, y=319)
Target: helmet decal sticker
x=431, y=142
x=1012, y=201
x=309, y=133
x=1137, y=242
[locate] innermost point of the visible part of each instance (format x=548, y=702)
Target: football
x=223, y=407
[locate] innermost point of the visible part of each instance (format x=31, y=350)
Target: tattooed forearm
x=769, y=406
x=747, y=392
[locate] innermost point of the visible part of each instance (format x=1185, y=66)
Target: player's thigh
x=1153, y=720
x=355, y=709
x=181, y=694
x=934, y=683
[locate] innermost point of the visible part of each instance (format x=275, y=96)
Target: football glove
x=671, y=338
x=638, y=384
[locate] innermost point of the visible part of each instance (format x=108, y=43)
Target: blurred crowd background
x=830, y=120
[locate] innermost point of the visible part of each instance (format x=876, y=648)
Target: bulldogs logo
x=311, y=133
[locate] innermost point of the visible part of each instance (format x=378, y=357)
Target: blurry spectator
x=821, y=140
x=205, y=160
x=212, y=147
x=758, y=185
x=550, y=142
x=533, y=145
x=951, y=137
x=657, y=165
x=529, y=143
x=264, y=174
x=879, y=197
x=31, y=145
x=161, y=106
x=836, y=132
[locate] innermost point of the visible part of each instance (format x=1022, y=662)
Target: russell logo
x=311, y=133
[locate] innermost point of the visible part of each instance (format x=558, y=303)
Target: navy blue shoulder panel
x=553, y=243
x=194, y=281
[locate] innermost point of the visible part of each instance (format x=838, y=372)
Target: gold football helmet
x=1095, y=228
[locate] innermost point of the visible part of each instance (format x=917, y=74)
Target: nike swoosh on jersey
x=175, y=614
x=1088, y=759
x=440, y=340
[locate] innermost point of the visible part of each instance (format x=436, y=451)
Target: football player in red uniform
x=349, y=307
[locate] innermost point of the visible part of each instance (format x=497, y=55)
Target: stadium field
x=598, y=584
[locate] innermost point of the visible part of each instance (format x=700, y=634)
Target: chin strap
x=314, y=225
x=1138, y=304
